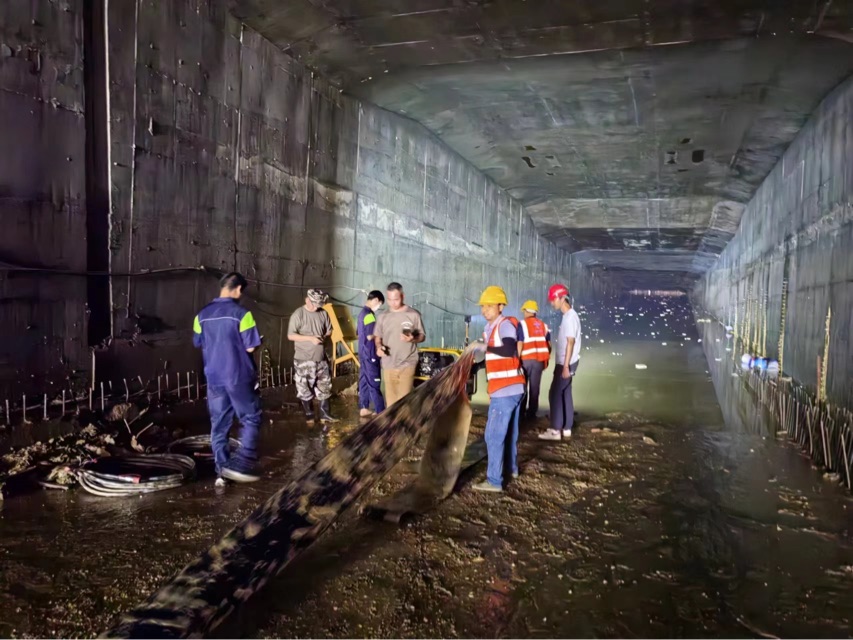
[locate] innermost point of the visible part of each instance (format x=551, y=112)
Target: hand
x=567, y=373
x=316, y=340
x=406, y=338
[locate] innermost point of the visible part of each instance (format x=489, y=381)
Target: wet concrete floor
x=664, y=516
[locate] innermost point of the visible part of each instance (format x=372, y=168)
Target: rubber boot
x=308, y=407
x=325, y=415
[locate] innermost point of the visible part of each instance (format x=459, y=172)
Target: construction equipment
x=431, y=360
x=343, y=333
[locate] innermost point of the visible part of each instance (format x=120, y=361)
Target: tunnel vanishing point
x=148, y=146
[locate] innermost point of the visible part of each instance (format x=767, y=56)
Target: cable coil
x=199, y=449
x=135, y=475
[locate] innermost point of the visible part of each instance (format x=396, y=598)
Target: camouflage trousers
x=313, y=380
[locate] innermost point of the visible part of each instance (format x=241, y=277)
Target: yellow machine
x=343, y=333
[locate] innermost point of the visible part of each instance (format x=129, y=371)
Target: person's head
x=315, y=299
x=530, y=309
x=375, y=299
x=492, y=303
x=558, y=296
x=396, y=298
x=232, y=285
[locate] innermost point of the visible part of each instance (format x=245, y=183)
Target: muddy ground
x=621, y=532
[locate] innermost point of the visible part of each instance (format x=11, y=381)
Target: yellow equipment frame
x=343, y=333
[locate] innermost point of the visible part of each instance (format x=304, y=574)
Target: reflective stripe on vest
x=535, y=346
x=501, y=371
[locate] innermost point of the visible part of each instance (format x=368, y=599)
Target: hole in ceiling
x=549, y=157
x=671, y=157
x=549, y=173
x=686, y=140
x=698, y=156
x=529, y=147
x=528, y=161
x=682, y=170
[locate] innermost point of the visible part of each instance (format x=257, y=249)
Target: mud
x=664, y=516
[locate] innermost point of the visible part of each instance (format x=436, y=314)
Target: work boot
x=240, y=470
x=325, y=415
x=308, y=407
x=486, y=486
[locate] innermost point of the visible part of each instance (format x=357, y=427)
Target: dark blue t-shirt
x=365, y=326
x=224, y=330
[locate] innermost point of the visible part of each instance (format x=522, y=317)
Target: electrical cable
x=199, y=448
x=135, y=475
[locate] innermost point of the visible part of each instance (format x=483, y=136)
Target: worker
x=567, y=356
x=308, y=329
x=534, y=348
x=227, y=335
x=505, y=386
x=369, y=378
x=399, y=331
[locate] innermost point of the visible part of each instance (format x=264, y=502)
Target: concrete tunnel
x=691, y=155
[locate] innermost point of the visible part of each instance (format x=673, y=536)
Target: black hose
x=135, y=475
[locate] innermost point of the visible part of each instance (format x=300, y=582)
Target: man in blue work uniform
x=227, y=335
x=369, y=376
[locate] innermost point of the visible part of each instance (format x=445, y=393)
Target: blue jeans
x=369, y=381
x=503, y=414
x=223, y=403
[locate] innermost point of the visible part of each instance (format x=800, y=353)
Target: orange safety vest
x=501, y=371
x=535, y=346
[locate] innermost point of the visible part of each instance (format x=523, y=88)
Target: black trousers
x=562, y=403
x=533, y=373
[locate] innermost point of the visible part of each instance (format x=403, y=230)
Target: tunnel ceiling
x=634, y=132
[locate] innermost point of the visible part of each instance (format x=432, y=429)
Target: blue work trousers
x=223, y=403
x=502, y=429
x=369, y=381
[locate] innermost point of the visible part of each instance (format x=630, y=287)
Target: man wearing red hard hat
x=567, y=351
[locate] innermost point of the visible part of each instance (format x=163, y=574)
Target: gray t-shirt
x=389, y=327
x=570, y=327
x=309, y=323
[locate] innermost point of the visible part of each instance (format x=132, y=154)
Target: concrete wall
x=798, y=228
x=226, y=153
x=42, y=190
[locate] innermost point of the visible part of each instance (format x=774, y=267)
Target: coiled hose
x=199, y=449
x=135, y=475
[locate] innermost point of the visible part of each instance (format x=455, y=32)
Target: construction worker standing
x=567, y=351
x=505, y=385
x=369, y=376
x=308, y=329
x=398, y=334
x=227, y=335
x=534, y=348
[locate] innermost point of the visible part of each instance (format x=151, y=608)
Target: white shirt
x=570, y=327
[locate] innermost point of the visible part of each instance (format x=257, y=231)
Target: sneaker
x=515, y=474
x=487, y=487
x=550, y=434
x=241, y=473
x=220, y=482
x=366, y=413
x=567, y=433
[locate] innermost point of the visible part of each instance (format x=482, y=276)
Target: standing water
x=668, y=513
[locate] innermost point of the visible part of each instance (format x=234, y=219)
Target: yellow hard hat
x=493, y=295
x=531, y=306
